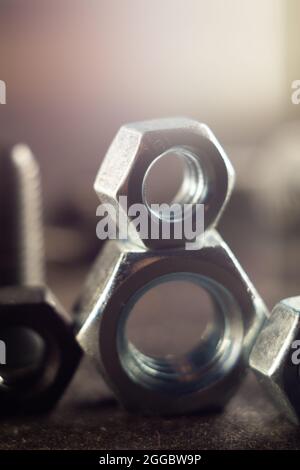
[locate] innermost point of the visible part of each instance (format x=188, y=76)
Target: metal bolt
x=21, y=251
x=33, y=327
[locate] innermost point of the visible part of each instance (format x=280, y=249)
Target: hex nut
x=272, y=358
x=136, y=146
x=37, y=310
x=142, y=384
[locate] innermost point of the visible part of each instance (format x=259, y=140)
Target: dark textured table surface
x=88, y=418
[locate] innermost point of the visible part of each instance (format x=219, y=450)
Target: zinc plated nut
x=275, y=359
x=207, y=377
x=41, y=351
x=134, y=150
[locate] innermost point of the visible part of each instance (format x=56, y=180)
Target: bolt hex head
x=36, y=309
x=121, y=272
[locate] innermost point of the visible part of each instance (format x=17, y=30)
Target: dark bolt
x=38, y=348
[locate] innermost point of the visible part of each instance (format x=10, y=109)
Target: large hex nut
x=274, y=358
x=196, y=382
x=209, y=177
x=36, y=310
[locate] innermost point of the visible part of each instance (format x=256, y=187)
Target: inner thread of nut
x=185, y=182
x=165, y=320
x=215, y=354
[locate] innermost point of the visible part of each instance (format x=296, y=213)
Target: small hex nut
x=204, y=379
x=135, y=148
x=275, y=359
x=37, y=310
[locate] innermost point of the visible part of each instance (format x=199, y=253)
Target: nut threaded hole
x=218, y=336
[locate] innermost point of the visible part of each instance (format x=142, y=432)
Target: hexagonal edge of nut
x=37, y=308
x=271, y=356
x=128, y=260
x=113, y=176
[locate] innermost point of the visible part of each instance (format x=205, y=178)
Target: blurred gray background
x=76, y=70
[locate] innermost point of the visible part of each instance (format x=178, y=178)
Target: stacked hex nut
x=207, y=377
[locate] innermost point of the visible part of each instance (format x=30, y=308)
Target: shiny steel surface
x=203, y=379
x=207, y=376
x=134, y=149
x=272, y=357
